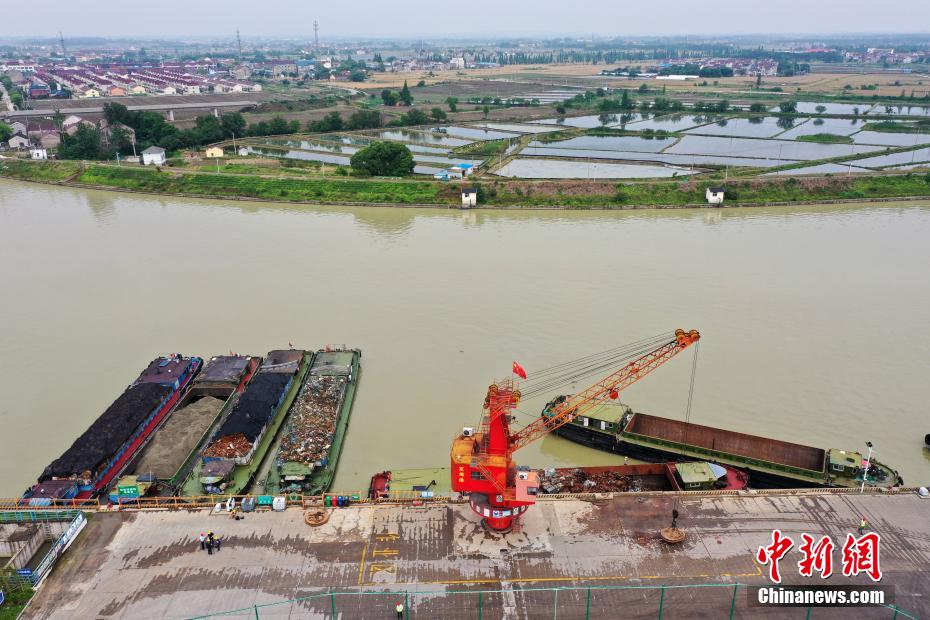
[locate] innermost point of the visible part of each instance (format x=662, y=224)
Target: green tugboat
x=239, y=447
x=311, y=442
x=771, y=463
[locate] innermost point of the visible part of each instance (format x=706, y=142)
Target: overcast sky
x=438, y=18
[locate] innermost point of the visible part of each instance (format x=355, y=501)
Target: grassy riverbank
x=493, y=192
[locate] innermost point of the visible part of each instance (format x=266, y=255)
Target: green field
x=285, y=190
x=826, y=138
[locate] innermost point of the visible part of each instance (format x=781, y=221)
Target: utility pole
x=316, y=34
x=239, y=44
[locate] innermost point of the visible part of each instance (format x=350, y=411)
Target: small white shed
x=154, y=155
x=469, y=197
x=715, y=195
x=38, y=153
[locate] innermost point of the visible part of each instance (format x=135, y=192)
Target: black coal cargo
x=256, y=405
x=109, y=432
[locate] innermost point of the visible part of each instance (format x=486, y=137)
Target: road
x=96, y=109
x=149, y=565
x=5, y=99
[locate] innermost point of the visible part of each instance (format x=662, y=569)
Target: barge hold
x=167, y=460
x=103, y=451
x=696, y=476
x=238, y=448
x=771, y=463
x=315, y=430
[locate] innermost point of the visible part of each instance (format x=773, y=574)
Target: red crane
x=482, y=460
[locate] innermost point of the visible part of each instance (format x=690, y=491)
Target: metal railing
x=719, y=600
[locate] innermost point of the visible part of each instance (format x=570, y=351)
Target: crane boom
x=608, y=387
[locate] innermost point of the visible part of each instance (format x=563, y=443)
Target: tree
x=331, y=122
x=723, y=105
x=759, y=81
x=357, y=76
x=383, y=159
x=117, y=113
x=5, y=132
x=452, y=102
x=365, y=119
x=421, y=83
x=389, y=98
x=405, y=95
x=207, y=129
x=560, y=109
x=120, y=139
x=233, y=124
x=84, y=144
x=821, y=109
x=438, y=114
x=757, y=108
x=415, y=117
x=486, y=110
x=626, y=103
x=788, y=107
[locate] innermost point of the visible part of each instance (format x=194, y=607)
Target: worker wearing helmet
x=399, y=608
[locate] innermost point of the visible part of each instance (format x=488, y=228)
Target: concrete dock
x=438, y=557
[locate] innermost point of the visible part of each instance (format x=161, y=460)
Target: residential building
x=18, y=141
x=214, y=152
x=154, y=155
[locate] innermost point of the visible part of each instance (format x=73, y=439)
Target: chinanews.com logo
x=859, y=555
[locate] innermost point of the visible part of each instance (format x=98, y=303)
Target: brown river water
x=815, y=320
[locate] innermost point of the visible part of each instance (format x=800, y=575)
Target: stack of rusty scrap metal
x=229, y=447
x=580, y=481
x=309, y=432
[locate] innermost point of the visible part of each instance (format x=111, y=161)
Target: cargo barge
x=104, y=450
x=166, y=461
x=770, y=463
x=312, y=439
x=237, y=450
x=693, y=476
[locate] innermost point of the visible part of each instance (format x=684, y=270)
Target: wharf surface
x=149, y=564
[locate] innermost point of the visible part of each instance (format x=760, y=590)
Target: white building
x=18, y=142
x=154, y=155
x=715, y=195
x=38, y=153
x=469, y=197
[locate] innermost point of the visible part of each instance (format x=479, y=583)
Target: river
x=814, y=319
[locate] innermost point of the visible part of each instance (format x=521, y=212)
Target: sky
x=470, y=18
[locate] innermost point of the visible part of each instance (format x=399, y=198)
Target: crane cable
x=564, y=374
x=697, y=346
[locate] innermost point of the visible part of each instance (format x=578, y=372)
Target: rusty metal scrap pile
x=312, y=425
x=229, y=447
x=580, y=481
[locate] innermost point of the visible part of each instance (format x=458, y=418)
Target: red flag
x=290, y=345
x=518, y=370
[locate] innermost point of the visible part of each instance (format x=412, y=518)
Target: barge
x=238, y=448
x=114, y=439
x=313, y=436
x=694, y=476
x=169, y=457
x=771, y=463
